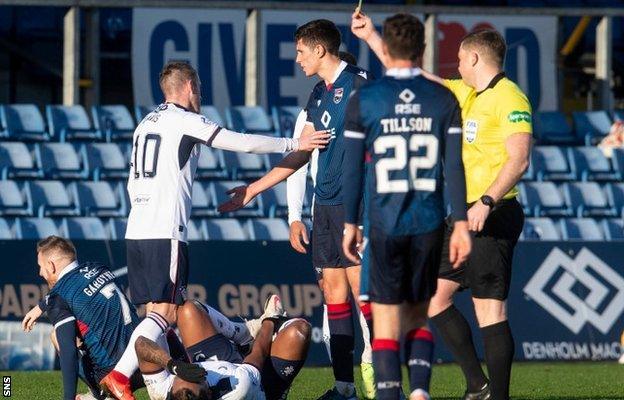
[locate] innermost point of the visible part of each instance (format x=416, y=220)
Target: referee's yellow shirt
x=489, y=118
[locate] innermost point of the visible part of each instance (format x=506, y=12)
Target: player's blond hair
x=488, y=43
x=175, y=74
x=54, y=244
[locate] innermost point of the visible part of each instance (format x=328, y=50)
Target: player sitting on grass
x=218, y=370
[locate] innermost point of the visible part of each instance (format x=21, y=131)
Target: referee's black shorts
x=487, y=273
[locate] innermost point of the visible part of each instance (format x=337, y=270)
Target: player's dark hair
x=187, y=394
x=404, y=36
x=347, y=57
x=56, y=243
x=320, y=32
x=489, y=42
x=175, y=74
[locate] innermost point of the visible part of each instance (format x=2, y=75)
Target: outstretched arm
x=153, y=358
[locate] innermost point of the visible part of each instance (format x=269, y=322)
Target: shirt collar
x=68, y=269
x=341, y=67
x=403, y=73
x=493, y=82
x=177, y=105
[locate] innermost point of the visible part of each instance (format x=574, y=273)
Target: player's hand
x=241, y=196
x=460, y=244
x=189, y=372
x=361, y=25
x=30, y=319
x=477, y=215
x=299, y=234
x=314, y=140
x=351, y=241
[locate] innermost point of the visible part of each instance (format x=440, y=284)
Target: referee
x=496, y=149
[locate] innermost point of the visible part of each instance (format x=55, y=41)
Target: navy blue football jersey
x=326, y=110
x=399, y=132
x=104, y=316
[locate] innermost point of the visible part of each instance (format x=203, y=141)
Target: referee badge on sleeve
x=470, y=130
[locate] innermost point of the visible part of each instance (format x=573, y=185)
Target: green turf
x=572, y=381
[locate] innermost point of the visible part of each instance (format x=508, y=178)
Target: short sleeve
x=459, y=89
x=312, y=104
x=199, y=128
x=58, y=311
x=515, y=115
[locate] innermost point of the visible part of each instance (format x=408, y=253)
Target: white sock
x=326, y=334
x=235, y=331
x=367, y=352
x=346, y=389
x=419, y=393
x=152, y=327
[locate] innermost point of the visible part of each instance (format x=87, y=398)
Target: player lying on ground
x=219, y=370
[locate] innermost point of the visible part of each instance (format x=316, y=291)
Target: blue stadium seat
x=16, y=161
x=587, y=199
x=268, y=229
x=618, y=161
x=550, y=164
x=202, y=200
x=249, y=119
x=6, y=233
x=285, y=118
x=245, y=165
x=71, y=122
x=212, y=114
x=196, y=231
x=114, y=121
x=141, y=111
x=98, y=199
x=581, y=229
x=540, y=229
x=89, y=228
x=274, y=159
x=552, y=127
x=275, y=201
x=613, y=228
x=615, y=195
x=591, y=126
x=211, y=164
x=253, y=209
x=35, y=228
x=61, y=161
x=543, y=199
x=618, y=115
x=23, y=122
x=106, y=160
x=224, y=229
x=591, y=164
x=13, y=200
x=117, y=228
x=50, y=198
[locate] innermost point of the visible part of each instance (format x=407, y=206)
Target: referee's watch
x=488, y=201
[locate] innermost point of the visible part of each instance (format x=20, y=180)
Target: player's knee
x=299, y=330
x=187, y=312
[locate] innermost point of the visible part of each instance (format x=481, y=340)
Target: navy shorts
x=217, y=346
x=157, y=270
x=278, y=375
x=327, y=233
x=402, y=268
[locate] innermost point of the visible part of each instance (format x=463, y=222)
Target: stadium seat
x=550, y=164
x=268, y=229
x=591, y=126
x=613, y=228
x=274, y=159
x=141, y=111
x=580, y=229
x=224, y=229
x=98, y=199
x=50, y=198
x=615, y=195
x=16, y=161
x=117, y=228
x=540, y=229
x=618, y=161
x=245, y=165
x=13, y=200
x=71, y=122
x=552, y=127
x=203, y=200
x=114, y=121
x=285, y=118
x=253, y=209
x=89, y=228
x=196, y=231
x=618, y=115
x=61, y=161
x=275, y=201
x=211, y=164
x=249, y=120
x=543, y=199
x=591, y=164
x=6, y=233
x=212, y=114
x=23, y=122
x=106, y=160
x=587, y=199
x=35, y=228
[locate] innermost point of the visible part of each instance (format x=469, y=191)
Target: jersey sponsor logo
x=325, y=119
x=338, y=93
x=470, y=130
x=407, y=96
x=519, y=116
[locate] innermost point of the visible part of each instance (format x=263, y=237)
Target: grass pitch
x=553, y=381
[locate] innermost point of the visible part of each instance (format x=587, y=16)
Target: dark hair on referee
x=187, y=394
x=55, y=243
x=320, y=32
x=175, y=74
x=404, y=36
x=490, y=42
x=347, y=57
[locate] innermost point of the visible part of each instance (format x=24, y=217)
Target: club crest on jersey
x=338, y=93
x=470, y=130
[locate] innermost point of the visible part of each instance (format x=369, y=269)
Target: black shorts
x=157, y=270
x=327, y=233
x=487, y=273
x=277, y=376
x=217, y=346
x=403, y=268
